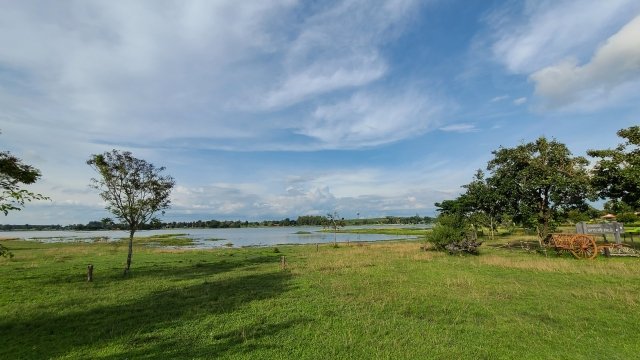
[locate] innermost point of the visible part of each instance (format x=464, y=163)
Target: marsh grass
x=162, y=240
x=387, y=300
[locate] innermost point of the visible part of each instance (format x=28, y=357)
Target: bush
x=451, y=234
x=4, y=252
x=627, y=218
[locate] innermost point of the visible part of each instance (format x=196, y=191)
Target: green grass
x=385, y=300
x=162, y=240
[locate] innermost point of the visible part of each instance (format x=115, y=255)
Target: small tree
x=133, y=189
x=334, y=222
x=486, y=202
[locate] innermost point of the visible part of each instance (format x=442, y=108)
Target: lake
x=211, y=238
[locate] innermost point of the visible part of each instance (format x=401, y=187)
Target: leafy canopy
x=13, y=175
x=541, y=180
x=133, y=189
x=616, y=174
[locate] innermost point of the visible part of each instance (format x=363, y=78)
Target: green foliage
x=576, y=216
x=627, y=218
x=540, y=181
x=615, y=206
x=485, y=201
x=451, y=233
x=310, y=220
x=4, y=252
x=13, y=174
x=616, y=174
x=133, y=189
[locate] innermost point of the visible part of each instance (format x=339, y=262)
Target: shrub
x=627, y=218
x=4, y=252
x=451, y=233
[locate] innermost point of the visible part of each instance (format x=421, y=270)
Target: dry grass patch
x=555, y=264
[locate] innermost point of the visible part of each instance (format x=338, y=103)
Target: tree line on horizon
x=155, y=224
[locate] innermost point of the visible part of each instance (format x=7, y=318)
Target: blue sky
x=279, y=108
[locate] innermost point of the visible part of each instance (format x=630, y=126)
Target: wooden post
x=90, y=273
x=283, y=262
x=616, y=234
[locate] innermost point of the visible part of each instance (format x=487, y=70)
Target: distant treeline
x=307, y=220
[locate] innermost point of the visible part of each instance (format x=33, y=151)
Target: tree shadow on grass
x=51, y=335
x=241, y=340
x=172, y=270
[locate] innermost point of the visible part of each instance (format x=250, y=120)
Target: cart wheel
x=584, y=247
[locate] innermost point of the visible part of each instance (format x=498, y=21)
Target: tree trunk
x=126, y=269
x=491, y=225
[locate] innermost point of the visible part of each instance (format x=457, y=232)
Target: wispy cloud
x=499, y=98
x=460, y=128
x=145, y=66
x=369, y=119
x=519, y=101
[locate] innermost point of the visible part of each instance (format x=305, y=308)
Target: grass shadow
x=172, y=270
x=241, y=340
x=51, y=335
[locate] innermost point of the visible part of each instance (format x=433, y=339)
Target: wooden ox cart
x=583, y=246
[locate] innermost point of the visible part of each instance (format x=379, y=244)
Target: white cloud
x=325, y=77
x=338, y=48
x=347, y=191
x=615, y=63
x=551, y=30
x=500, y=98
x=460, y=128
x=370, y=119
x=136, y=70
x=519, y=101
x=165, y=78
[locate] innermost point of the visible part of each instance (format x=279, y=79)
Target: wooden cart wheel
x=584, y=247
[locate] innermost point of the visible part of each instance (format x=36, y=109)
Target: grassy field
x=387, y=300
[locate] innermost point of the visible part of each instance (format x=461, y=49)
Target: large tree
x=616, y=174
x=133, y=189
x=540, y=180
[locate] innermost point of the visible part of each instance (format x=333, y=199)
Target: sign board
x=615, y=228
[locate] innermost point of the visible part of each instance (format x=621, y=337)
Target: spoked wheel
x=584, y=247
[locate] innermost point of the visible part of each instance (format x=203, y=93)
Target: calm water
x=209, y=238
